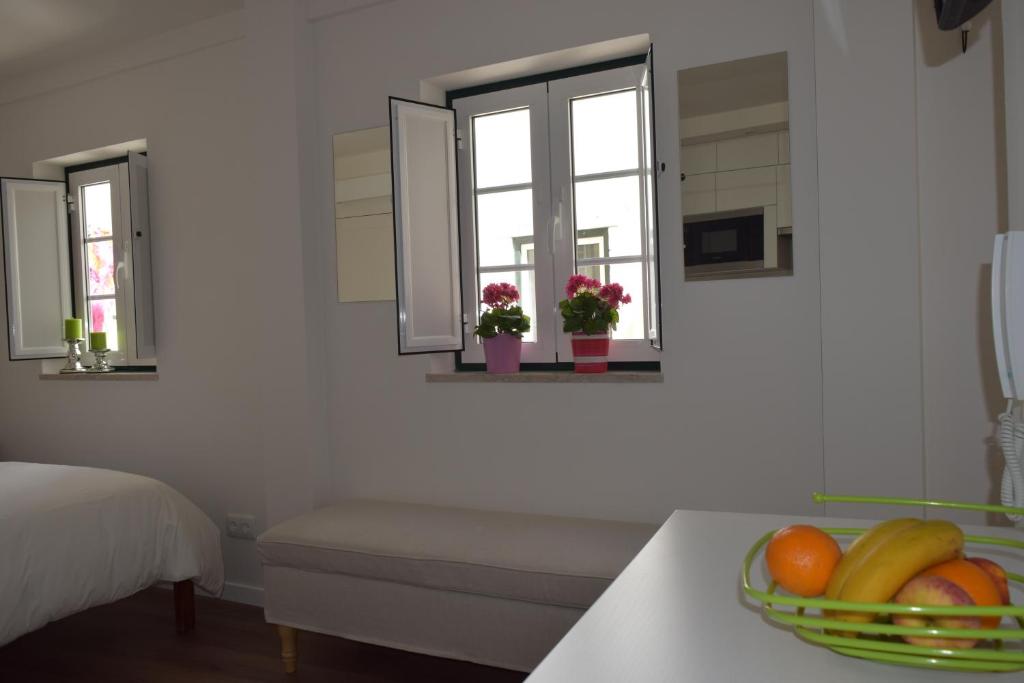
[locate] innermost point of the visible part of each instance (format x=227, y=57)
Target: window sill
x=102, y=376
x=546, y=377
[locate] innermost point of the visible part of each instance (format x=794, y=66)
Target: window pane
x=524, y=282
x=604, y=136
x=504, y=227
x=501, y=143
x=96, y=208
x=100, y=266
x=631, y=277
x=103, y=318
x=611, y=206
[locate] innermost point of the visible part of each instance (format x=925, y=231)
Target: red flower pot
x=590, y=352
x=503, y=352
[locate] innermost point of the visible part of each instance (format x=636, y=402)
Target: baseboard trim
x=243, y=593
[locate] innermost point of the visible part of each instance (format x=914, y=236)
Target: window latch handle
x=557, y=222
x=558, y=231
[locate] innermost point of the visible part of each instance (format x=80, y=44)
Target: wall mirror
x=734, y=157
x=362, y=215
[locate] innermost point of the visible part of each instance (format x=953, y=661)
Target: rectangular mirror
x=362, y=215
x=734, y=156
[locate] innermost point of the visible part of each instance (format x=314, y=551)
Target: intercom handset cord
x=1011, y=441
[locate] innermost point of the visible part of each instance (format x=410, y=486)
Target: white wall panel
x=871, y=323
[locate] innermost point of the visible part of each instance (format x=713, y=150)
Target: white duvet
x=75, y=537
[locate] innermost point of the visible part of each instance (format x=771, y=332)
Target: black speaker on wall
x=951, y=14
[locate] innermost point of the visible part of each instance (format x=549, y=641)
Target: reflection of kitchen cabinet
x=744, y=188
x=785, y=202
x=699, y=158
x=738, y=173
x=699, y=194
x=748, y=151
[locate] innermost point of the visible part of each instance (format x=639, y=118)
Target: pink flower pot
x=503, y=352
x=590, y=352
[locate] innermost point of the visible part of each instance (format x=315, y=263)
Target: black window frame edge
x=546, y=77
x=657, y=167
x=394, y=221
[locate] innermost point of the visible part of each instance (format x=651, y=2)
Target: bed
x=75, y=537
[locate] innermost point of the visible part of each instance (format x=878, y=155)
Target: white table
x=677, y=613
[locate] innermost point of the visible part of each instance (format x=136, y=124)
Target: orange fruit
x=801, y=559
x=974, y=580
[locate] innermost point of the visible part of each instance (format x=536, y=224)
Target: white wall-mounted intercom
x=1008, y=312
x=1008, y=330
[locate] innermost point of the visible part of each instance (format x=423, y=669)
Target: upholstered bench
x=489, y=587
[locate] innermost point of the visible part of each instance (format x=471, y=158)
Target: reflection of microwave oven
x=724, y=239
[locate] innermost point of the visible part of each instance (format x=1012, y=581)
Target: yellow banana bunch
x=862, y=546
x=888, y=555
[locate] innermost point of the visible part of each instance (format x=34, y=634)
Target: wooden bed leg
x=289, y=653
x=184, y=606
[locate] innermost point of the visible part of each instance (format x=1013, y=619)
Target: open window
x=425, y=200
x=80, y=248
x=37, y=264
x=546, y=179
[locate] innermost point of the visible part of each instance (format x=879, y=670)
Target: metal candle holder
x=74, y=363
x=102, y=364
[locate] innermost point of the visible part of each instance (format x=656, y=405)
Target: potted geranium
x=590, y=310
x=501, y=327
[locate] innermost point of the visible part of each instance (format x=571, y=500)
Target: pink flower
x=500, y=294
x=578, y=282
x=613, y=294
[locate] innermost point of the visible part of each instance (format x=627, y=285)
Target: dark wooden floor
x=134, y=640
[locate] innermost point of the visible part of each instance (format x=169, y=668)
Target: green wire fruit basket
x=880, y=640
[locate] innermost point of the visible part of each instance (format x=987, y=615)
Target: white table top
x=678, y=613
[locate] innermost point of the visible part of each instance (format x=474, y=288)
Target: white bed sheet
x=75, y=537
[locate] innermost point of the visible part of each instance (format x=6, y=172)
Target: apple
x=935, y=590
x=997, y=574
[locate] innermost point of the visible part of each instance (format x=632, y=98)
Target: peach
x=997, y=574
x=935, y=590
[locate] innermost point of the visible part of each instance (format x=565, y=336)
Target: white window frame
x=535, y=98
x=116, y=174
x=35, y=243
x=553, y=214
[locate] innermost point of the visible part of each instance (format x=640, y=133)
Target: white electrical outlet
x=241, y=526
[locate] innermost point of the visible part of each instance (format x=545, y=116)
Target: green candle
x=73, y=328
x=98, y=341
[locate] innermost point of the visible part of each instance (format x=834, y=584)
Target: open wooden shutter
x=425, y=199
x=142, y=264
x=37, y=266
x=650, y=169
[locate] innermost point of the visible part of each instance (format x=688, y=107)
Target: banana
x=896, y=560
x=861, y=548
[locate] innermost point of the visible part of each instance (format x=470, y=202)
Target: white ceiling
x=728, y=86
x=36, y=34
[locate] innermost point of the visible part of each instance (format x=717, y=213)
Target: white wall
x=736, y=425
x=198, y=427
x=773, y=388
x=870, y=326
x=865, y=372
x=962, y=203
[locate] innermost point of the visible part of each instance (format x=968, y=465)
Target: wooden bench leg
x=184, y=606
x=289, y=653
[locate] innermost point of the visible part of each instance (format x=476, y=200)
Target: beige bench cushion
x=549, y=560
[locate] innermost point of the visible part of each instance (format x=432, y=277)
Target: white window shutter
x=37, y=266
x=142, y=264
x=425, y=198
x=650, y=168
